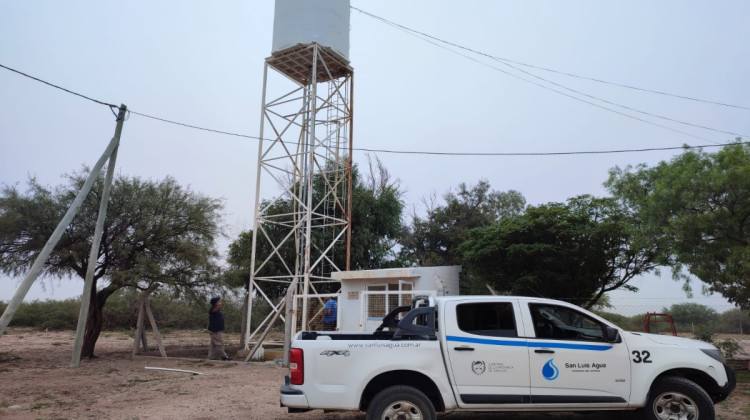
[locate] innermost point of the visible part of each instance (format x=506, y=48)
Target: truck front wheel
x=400, y=402
x=678, y=398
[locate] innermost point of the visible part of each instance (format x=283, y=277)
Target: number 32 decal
x=643, y=356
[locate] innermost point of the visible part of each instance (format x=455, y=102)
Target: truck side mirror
x=612, y=334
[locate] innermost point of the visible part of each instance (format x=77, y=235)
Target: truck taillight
x=296, y=367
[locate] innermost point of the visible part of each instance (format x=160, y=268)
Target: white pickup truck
x=502, y=353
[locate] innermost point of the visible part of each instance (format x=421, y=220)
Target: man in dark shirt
x=216, y=329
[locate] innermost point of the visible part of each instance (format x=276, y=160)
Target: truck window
x=562, y=323
x=494, y=319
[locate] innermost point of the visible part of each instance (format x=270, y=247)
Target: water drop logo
x=550, y=371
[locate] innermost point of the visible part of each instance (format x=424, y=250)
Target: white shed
x=368, y=295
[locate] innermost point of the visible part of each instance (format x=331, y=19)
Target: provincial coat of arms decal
x=478, y=367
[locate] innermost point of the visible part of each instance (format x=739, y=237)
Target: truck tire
x=400, y=402
x=678, y=398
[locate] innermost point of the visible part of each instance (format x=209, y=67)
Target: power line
x=566, y=94
x=589, y=152
x=59, y=87
x=405, y=152
x=430, y=39
x=624, y=106
x=545, y=68
x=196, y=127
x=592, y=79
x=433, y=153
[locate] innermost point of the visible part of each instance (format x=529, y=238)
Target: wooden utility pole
x=41, y=259
x=96, y=242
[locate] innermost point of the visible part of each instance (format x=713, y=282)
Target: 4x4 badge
x=330, y=353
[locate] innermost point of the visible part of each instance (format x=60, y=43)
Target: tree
x=735, y=321
x=155, y=232
x=434, y=240
x=575, y=252
x=376, y=219
x=696, y=209
x=238, y=258
x=691, y=315
x=375, y=224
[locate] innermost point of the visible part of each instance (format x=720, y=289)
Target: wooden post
x=140, y=333
x=41, y=259
x=154, y=328
x=138, y=326
x=88, y=283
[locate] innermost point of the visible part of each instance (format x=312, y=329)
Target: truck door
x=571, y=362
x=488, y=360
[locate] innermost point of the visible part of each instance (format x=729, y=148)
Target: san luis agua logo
x=550, y=371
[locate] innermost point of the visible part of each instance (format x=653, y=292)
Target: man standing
x=216, y=329
x=329, y=314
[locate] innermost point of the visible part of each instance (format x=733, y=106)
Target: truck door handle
x=463, y=348
x=544, y=351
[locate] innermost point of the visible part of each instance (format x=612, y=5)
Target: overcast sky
x=201, y=63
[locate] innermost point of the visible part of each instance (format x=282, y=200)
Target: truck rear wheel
x=400, y=402
x=678, y=398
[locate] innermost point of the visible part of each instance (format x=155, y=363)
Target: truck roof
x=479, y=298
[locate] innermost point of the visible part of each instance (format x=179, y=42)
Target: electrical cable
x=198, y=128
x=419, y=34
x=61, y=88
x=548, y=69
x=566, y=94
x=407, y=152
x=589, y=152
x=592, y=79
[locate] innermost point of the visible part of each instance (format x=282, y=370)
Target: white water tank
x=306, y=21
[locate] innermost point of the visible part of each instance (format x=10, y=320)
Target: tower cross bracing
x=301, y=233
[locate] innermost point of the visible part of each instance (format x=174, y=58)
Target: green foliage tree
x=735, y=321
x=690, y=316
x=375, y=223
x=238, y=258
x=377, y=206
x=696, y=209
x=434, y=240
x=628, y=323
x=155, y=232
x=575, y=252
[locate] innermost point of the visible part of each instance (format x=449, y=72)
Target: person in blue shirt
x=329, y=314
x=216, y=329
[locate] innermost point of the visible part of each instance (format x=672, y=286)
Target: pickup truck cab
x=502, y=353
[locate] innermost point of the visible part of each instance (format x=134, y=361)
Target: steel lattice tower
x=306, y=153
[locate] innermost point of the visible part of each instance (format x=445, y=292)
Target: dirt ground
x=37, y=382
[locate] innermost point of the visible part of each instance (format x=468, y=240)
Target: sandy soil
x=37, y=382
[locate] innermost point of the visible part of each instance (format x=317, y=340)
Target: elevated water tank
x=325, y=22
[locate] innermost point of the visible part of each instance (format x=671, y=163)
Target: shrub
x=728, y=346
x=121, y=312
x=49, y=314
